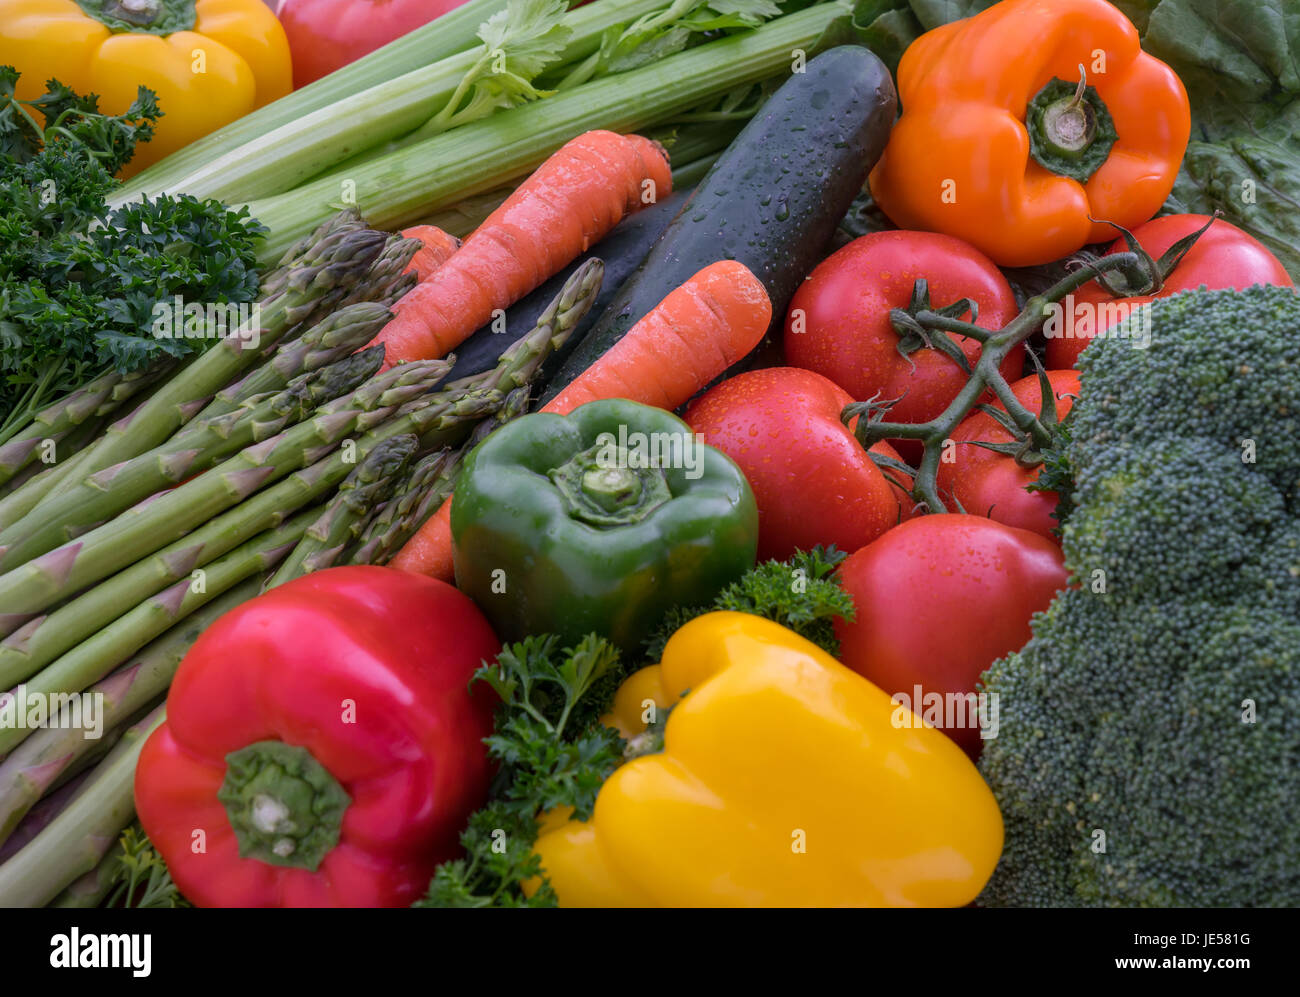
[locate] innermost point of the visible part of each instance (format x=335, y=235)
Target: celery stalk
x=312, y=142
x=453, y=32
x=414, y=182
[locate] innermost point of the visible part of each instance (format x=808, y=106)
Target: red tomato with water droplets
x=1223, y=257
x=813, y=482
x=986, y=483
x=838, y=323
x=325, y=35
x=938, y=600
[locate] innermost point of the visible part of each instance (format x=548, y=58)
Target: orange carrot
x=438, y=246
x=683, y=343
x=692, y=336
x=429, y=551
x=570, y=203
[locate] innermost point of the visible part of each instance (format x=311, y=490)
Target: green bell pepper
x=601, y=521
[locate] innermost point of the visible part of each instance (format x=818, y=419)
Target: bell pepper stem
x=604, y=486
x=158, y=17
x=1071, y=131
x=285, y=807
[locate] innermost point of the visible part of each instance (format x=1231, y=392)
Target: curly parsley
x=800, y=594
x=553, y=753
x=78, y=284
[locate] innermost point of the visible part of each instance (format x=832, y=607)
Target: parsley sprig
x=553, y=752
x=140, y=878
x=800, y=594
x=78, y=283
x=108, y=139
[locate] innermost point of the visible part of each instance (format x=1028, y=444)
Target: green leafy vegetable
x=141, y=878
x=553, y=753
x=657, y=35
x=518, y=44
x=800, y=594
x=108, y=139
x=78, y=284
x=1240, y=62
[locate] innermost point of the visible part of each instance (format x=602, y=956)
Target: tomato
x=838, y=323
x=1223, y=257
x=987, y=483
x=813, y=482
x=325, y=35
x=938, y=600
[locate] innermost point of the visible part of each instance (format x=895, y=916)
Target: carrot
x=571, y=202
x=429, y=551
x=438, y=246
x=687, y=340
x=693, y=335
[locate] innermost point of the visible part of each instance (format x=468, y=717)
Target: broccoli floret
x=1149, y=746
x=1134, y=505
x=1169, y=728
x=1277, y=577
x=1221, y=365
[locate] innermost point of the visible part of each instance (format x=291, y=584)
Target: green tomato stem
x=986, y=376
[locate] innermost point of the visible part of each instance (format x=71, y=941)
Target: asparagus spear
x=42, y=455
x=44, y=638
x=520, y=364
x=388, y=279
x=79, y=837
x=324, y=273
x=376, y=540
x=89, y=891
x=72, y=452
x=428, y=486
x=21, y=477
x=38, y=818
x=34, y=765
x=197, y=447
x=39, y=583
x=338, y=335
x=514, y=372
x=92, y=401
x=99, y=654
x=346, y=514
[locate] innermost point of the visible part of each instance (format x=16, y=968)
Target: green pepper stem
x=604, y=486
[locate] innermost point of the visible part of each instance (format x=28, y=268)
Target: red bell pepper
x=321, y=746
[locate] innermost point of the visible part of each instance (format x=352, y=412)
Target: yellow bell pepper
x=209, y=61
x=783, y=781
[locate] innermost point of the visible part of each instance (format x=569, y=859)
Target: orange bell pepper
x=1001, y=146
